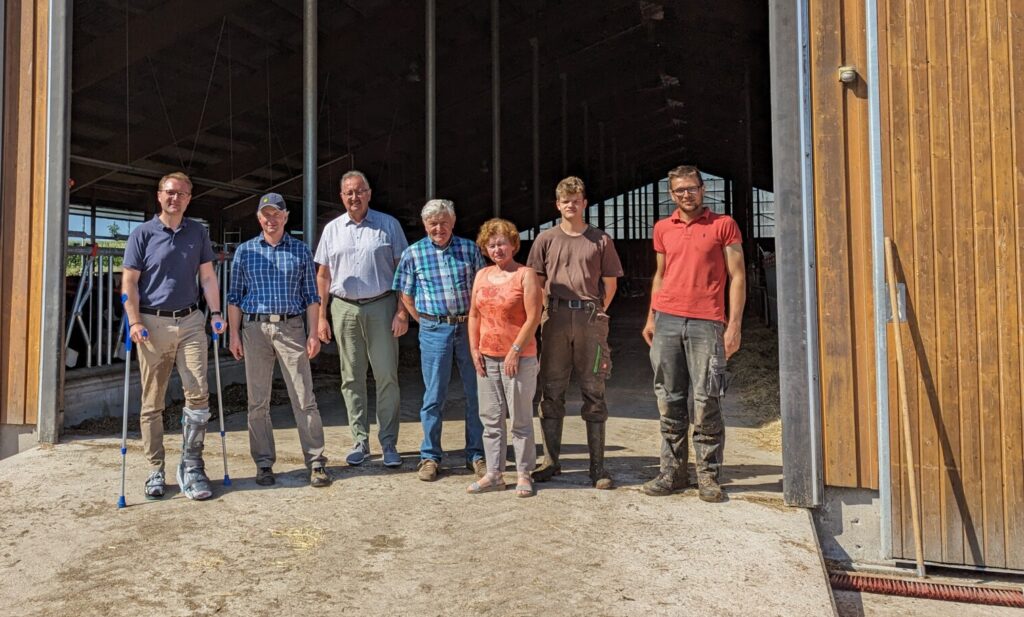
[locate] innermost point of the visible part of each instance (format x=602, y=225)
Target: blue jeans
x=440, y=343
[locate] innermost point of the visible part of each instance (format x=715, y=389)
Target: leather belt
x=148, y=310
x=362, y=301
x=448, y=319
x=576, y=305
x=268, y=317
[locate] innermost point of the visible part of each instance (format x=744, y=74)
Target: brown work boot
x=709, y=490
x=666, y=483
x=552, y=430
x=599, y=476
x=428, y=470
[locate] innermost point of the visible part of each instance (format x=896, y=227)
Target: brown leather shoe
x=427, y=470
x=479, y=467
x=319, y=477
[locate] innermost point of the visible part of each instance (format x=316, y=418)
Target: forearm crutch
x=220, y=406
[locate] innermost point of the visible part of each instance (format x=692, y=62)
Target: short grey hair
x=437, y=207
x=354, y=174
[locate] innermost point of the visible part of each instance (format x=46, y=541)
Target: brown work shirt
x=573, y=265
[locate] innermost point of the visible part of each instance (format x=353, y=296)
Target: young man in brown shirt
x=578, y=269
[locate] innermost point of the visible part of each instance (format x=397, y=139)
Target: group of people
x=482, y=318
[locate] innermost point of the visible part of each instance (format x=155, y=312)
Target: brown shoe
x=709, y=490
x=478, y=467
x=319, y=477
x=428, y=470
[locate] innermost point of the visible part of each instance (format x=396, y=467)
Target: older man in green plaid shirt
x=435, y=280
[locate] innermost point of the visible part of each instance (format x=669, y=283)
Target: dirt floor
x=380, y=542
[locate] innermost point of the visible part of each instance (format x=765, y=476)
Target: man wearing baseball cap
x=273, y=285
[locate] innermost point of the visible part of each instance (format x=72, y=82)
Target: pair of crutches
x=121, y=503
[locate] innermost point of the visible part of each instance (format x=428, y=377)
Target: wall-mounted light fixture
x=847, y=74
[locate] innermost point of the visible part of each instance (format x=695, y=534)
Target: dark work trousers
x=574, y=341
x=689, y=353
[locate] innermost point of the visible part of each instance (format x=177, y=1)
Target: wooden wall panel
x=843, y=247
x=21, y=215
x=952, y=162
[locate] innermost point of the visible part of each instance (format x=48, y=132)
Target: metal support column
x=565, y=124
x=535, y=104
x=431, y=103
x=309, y=121
x=58, y=137
x=495, y=111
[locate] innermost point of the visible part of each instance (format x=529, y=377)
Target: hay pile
x=755, y=379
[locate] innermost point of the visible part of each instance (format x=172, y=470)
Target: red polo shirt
x=695, y=274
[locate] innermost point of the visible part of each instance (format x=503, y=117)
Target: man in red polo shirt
x=699, y=257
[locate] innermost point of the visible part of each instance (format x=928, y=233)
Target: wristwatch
x=216, y=313
x=517, y=348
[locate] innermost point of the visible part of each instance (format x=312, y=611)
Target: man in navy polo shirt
x=273, y=286
x=161, y=262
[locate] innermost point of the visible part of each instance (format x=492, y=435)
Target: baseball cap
x=272, y=200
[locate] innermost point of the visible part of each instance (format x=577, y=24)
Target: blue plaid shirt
x=273, y=279
x=439, y=279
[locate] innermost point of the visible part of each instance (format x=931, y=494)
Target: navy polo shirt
x=168, y=260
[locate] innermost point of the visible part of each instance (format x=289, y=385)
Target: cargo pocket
x=602, y=368
x=718, y=377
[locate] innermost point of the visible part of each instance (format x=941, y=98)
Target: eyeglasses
x=173, y=194
x=687, y=190
x=358, y=193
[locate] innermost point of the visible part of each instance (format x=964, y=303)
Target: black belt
x=362, y=301
x=448, y=319
x=269, y=317
x=148, y=310
x=576, y=305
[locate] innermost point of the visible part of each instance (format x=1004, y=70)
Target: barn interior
x=616, y=92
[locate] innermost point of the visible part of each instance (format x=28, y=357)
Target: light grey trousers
x=284, y=341
x=499, y=395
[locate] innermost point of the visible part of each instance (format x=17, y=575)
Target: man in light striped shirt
x=434, y=279
x=273, y=287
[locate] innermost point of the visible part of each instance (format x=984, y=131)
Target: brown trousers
x=574, y=341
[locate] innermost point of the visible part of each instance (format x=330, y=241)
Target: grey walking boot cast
x=191, y=471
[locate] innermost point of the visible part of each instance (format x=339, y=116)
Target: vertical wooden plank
x=920, y=285
x=1006, y=283
x=838, y=417
x=901, y=206
x=19, y=206
x=985, y=267
x=1014, y=474
x=37, y=215
x=970, y=499
x=946, y=415
x=860, y=292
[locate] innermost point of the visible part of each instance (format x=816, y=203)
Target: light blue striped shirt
x=361, y=256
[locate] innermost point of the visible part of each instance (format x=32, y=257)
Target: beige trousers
x=172, y=341
x=284, y=341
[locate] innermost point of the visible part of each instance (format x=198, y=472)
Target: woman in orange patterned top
x=503, y=318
